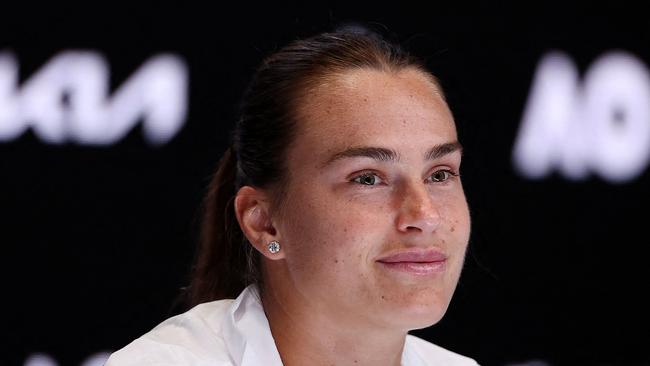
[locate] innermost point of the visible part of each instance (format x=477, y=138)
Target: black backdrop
x=97, y=241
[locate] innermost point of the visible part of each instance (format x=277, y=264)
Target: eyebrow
x=441, y=150
x=390, y=155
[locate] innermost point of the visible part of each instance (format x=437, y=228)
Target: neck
x=305, y=335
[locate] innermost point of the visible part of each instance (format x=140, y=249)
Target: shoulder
x=192, y=338
x=431, y=354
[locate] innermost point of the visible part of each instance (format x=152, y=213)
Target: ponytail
x=222, y=258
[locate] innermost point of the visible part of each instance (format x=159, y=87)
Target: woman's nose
x=418, y=211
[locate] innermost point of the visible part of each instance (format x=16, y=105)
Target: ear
x=252, y=211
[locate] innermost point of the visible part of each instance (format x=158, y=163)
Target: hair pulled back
x=225, y=263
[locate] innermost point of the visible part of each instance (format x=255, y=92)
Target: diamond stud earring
x=274, y=246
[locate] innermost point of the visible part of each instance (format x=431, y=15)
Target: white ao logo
x=600, y=126
x=67, y=100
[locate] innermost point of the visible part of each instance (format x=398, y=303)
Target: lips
x=415, y=261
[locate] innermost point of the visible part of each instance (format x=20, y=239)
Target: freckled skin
x=328, y=217
x=333, y=230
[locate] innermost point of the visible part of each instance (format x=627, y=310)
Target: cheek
x=459, y=227
x=456, y=220
x=329, y=237
x=332, y=240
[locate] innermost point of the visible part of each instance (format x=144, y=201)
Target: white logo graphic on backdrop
x=67, y=100
x=601, y=125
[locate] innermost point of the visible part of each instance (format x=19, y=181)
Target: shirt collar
x=247, y=332
x=249, y=339
x=409, y=356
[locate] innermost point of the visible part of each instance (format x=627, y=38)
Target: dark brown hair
x=225, y=262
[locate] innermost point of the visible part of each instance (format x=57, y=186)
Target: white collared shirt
x=236, y=332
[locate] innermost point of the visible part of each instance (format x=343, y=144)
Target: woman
x=337, y=219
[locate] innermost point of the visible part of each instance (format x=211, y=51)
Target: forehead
x=371, y=107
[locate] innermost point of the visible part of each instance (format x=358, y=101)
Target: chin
x=424, y=319
x=420, y=314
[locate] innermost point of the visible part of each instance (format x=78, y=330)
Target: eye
x=367, y=179
x=440, y=176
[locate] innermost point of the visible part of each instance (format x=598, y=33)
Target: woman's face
x=375, y=224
